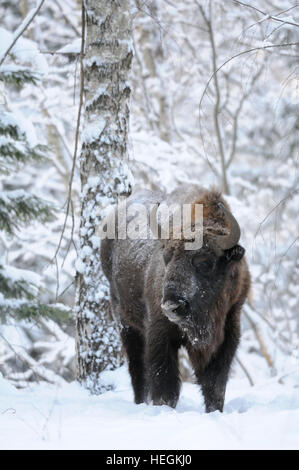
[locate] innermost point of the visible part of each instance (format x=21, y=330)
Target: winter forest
x=170, y=92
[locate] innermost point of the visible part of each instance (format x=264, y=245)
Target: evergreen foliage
x=18, y=76
x=18, y=208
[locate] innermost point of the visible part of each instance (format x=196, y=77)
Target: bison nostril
x=169, y=306
x=182, y=302
x=178, y=306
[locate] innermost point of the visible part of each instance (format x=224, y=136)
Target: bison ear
x=234, y=254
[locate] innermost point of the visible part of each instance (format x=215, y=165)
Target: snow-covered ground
x=265, y=416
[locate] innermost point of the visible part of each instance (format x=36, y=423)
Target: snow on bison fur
x=166, y=297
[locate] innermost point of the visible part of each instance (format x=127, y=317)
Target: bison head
x=194, y=280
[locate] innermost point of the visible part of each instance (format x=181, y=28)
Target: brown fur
x=144, y=274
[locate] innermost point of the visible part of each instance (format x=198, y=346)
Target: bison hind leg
x=134, y=345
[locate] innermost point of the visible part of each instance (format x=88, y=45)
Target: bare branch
x=280, y=203
x=237, y=114
x=60, y=53
x=267, y=15
x=66, y=18
x=208, y=22
x=245, y=371
x=283, y=340
x=260, y=340
x=20, y=30
x=265, y=19
x=77, y=132
x=253, y=49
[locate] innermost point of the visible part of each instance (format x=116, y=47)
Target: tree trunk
x=104, y=177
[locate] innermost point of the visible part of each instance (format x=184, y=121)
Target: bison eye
x=203, y=264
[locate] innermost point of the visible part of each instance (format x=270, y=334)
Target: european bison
x=166, y=297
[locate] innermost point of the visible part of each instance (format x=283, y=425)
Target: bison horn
x=228, y=241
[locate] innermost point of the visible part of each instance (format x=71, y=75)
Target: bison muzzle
x=166, y=297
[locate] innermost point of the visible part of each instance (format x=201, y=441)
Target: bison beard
x=167, y=297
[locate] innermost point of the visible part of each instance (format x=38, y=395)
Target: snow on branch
x=20, y=30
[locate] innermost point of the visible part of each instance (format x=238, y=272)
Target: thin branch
x=260, y=341
x=252, y=311
x=217, y=89
x=57, y=279
x=245, y=371
x=77, y=131
x=149, y=111
x=60, y=53
x=158, y=22
x=238, y=55
x=66, y=18
x=20, y=30
x=64, y=290
x=281, y=202
x=71, y=241
x=267, y=15
x=236, y=116
x=39, y=371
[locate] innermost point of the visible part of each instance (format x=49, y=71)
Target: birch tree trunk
x=104, y=177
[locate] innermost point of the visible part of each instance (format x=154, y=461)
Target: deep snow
x=265, y=416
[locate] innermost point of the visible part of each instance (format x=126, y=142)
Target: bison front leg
x=214, y=376
x=162, y=363
x=213, y=386
x=212, y=379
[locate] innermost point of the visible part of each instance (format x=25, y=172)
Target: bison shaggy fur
x=166, y=297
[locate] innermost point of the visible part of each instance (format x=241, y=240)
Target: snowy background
x=43, y=417
x=172, y=140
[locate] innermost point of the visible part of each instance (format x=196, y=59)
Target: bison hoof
x=211, y=407
x=138, y=400
x=172, y=402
